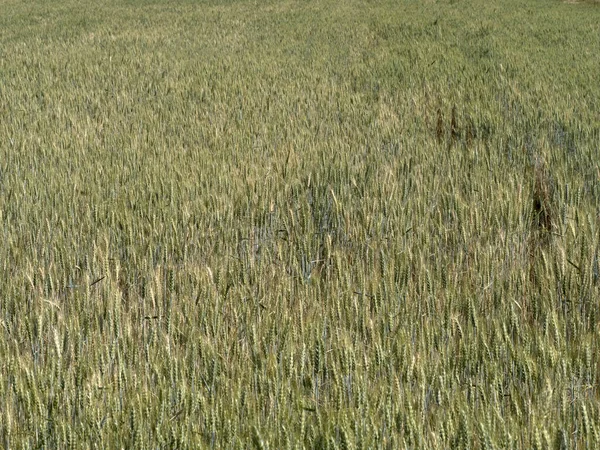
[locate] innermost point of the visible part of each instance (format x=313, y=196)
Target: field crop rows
x=313, y=224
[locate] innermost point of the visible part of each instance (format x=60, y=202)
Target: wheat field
x=299, y=224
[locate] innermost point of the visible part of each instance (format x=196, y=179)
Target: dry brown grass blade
x=439, y=131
